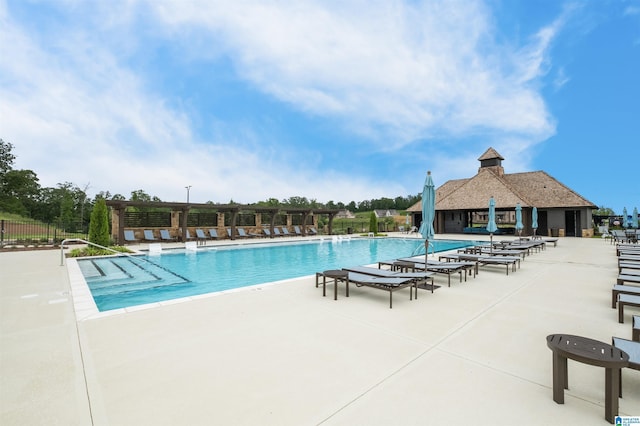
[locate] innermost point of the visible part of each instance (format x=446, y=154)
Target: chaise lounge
x=418, y=277
x=148, y=235
x=129, y=236
x=381, y=283
x=165, y=236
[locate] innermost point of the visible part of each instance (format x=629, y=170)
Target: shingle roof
x=529, y=189
x=490, y=154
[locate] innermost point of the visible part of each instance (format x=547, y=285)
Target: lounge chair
x=622, y=289
x=187, y=236
x=213, y=233
x=632, y=349
x=296, y=230
x=624, y=300
x=634, y=266
x=504, y=252
x=389, y=284
x=267, y=232
x=484, y=260
x=628, y=278
x=129, y=236
x=148, y=235
x=201, y=236
x=418, y=277
x=447, y=268
x=276, y=232
x=165, y=236
x=230, y=234
x=285, y=232
x=313, y=231
x=243, y=234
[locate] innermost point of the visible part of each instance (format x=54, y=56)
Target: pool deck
x=473, y=353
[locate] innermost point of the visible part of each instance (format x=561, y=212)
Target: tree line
x=68, y=204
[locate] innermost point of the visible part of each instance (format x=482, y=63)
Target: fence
x=33, y=232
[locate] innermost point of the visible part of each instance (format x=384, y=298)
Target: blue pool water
x=119, y=282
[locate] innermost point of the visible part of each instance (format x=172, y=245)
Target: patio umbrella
x=625, y=218
x=634, y=219
x=519, y=225
x=491, y=223
x=534, y=220
x=428, y=213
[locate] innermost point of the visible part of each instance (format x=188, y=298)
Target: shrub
x=95, y=251
x=99, y=224
x=373, y=223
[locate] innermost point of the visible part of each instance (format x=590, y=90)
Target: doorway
x=571, y=223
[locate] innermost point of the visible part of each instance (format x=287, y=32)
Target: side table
x=590, y=352
x=336, y=275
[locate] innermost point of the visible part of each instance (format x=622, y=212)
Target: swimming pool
x=125, y=281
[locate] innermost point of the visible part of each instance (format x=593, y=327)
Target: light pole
x=188, y=188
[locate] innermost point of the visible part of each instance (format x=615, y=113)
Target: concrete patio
x=474, y=353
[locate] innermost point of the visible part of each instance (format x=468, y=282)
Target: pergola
x=119, y=207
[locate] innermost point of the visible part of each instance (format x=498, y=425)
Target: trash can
x=349, y=230
x=555, y=232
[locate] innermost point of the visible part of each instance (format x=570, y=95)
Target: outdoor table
x=403, y=266
x=590, y=352
x=336, y=275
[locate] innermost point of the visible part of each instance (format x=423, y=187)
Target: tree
x=373, y=223
x=604, y=211
x=99, y=224
x=6, y=157
x=19, y=191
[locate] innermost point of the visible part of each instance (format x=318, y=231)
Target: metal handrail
x=89, y=243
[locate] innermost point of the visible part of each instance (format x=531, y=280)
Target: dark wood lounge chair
x=201, y=237
x=626, y=300
x=165, y=235
x=622, y=289
x=389, y=284
x=509, y=262
x=447, y=268
x=130, y=236
x=626, y=278
x=148, y=235
x=632, y=349
x=418, y=277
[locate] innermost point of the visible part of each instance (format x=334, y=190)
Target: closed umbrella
x=625, y=218
x=534, y=220
x=634, y=219
x=428, y=213
x=519, y=224
x=491, y=223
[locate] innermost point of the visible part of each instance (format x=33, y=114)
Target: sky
x=248, y=100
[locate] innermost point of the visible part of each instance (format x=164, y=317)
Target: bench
x=622, y=289
x=626, y=300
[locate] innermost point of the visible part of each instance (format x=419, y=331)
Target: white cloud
x=396, y=69
x=395, y=72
